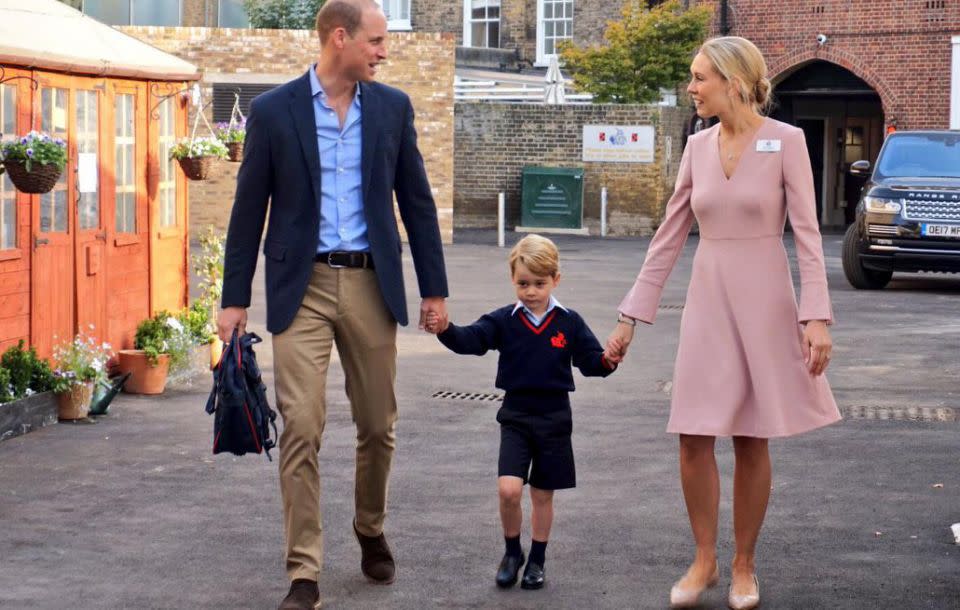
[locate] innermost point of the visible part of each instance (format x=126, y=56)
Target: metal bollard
x=501, y=218
x=603, y=212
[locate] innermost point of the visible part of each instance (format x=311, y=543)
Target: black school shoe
x=509, y=570
x=532, y=577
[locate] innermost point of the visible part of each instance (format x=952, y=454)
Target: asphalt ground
x=133, y=511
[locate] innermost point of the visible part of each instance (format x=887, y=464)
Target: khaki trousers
x=342, y=306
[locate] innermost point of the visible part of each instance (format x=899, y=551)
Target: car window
x=921, y=156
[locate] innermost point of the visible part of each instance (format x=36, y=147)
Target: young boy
x=538, y=338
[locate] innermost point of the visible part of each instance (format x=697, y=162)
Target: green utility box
x=552, y=198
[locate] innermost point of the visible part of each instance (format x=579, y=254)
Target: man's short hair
x=536, y=253
x=345, y=14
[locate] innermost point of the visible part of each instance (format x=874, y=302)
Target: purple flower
x=29, y=152
x=60, y=142
x=24, y=140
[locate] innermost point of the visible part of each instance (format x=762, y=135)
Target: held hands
x=433, y=315
x=817, y=346
x=618, y=342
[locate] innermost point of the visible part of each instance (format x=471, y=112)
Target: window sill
x=399, y=25
x=126, y=239
x=12, y=254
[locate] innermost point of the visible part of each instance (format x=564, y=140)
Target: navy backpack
x=242, y=417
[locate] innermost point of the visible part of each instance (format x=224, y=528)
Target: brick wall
x=493, y=142
x=590, y=19
x=437, y=16
x=420, y=64
x=900, y=47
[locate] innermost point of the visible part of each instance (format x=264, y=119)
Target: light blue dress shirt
x=342, y=224
x=532, y=316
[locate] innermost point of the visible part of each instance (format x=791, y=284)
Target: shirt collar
x=553, y=302
x=317, y=89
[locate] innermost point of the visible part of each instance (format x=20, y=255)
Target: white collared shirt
x=532, y=316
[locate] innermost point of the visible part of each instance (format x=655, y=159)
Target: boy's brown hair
x=536, y=253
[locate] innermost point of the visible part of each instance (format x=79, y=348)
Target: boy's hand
x=435, y=323
x=619, y=340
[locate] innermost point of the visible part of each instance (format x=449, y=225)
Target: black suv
x=908, y=217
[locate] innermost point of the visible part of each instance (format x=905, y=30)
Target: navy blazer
x=281, y=165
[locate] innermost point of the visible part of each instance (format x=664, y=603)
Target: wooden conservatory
x=108, y=245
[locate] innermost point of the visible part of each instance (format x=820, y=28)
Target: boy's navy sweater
x=532, y=357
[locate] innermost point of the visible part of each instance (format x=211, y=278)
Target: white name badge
x=768, y=145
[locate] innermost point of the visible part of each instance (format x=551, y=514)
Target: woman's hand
x=817, y=346
x=619, y=340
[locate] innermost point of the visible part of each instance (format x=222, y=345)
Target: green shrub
x=26, y=371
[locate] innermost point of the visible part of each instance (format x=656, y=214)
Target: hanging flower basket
x=235, y=151
x=196, y=168
x=232, y=134
x=38, y=179
x=196, y=156
x=34, y=162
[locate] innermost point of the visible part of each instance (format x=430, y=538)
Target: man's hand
x=230, y=318
x=437, y=305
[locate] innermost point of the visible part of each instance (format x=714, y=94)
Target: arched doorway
x=842, y=118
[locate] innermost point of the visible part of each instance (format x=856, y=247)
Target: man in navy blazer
x=325, y=154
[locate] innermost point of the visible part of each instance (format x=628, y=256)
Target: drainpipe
x=724, y=24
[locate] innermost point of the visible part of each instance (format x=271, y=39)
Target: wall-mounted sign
x=618, y=143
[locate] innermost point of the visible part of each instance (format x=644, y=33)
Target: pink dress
x=740, y=368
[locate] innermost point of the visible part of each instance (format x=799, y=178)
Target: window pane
x=156, y=12
x=493, y=31
x=53, y=120
x=111, y=12
x=167, y=187
x=124, y=140
x=87, y=125
x=8, y=195
x=232, y=14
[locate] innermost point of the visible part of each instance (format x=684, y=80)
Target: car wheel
x=857, y=275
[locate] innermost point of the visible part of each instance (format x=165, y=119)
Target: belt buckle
x=330, y=262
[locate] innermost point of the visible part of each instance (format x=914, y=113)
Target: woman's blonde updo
x=738, y=58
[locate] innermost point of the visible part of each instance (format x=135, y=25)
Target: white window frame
x=399, y=25
x=543, y=59
x=220, y=16
x=468, y=24
x=955, y=85
x=130, y=5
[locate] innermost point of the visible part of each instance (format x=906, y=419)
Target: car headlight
x=881, y=206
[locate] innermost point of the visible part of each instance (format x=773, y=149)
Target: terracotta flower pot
x=145, y=378
x=40, y=179
x=74, y=403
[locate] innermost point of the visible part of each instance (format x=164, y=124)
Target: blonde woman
x=750, y=363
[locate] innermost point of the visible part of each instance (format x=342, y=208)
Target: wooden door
x=125, y=211
x=52, y=303
x=90, y=274
x=167, y=189
x=15, y=236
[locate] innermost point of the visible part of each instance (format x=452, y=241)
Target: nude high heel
x=690, y=597
x=745, y=602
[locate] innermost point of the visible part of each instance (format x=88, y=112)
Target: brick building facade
x=878, y=65
x=421, y=64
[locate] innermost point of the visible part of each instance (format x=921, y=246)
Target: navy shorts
x=535, y=445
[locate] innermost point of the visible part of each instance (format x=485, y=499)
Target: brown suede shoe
x=376, y=560
x=303, y=595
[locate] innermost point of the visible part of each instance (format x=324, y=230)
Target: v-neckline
x=537, y=328
x=750, y=145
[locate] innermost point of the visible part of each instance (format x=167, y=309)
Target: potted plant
x=196, y=155
x=160, y=345
x=232, y=134
x=208, y=266
x=80, y=364
x=34, y=161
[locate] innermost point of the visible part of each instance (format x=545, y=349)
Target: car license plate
x=930, y=230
